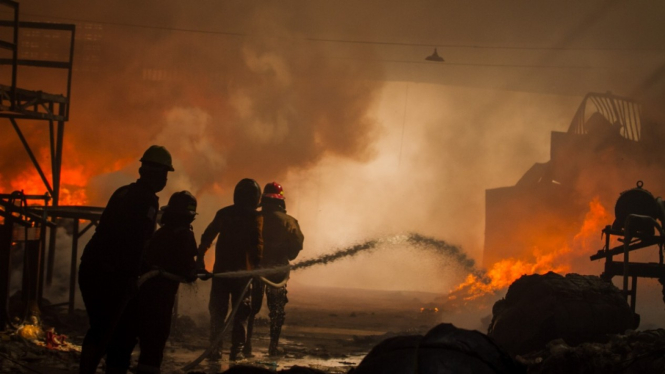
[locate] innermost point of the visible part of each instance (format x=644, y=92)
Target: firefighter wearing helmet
x=239, y=247
x=282, y=241
x=173, y=250
x=111, y=262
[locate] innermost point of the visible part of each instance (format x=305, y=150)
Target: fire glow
x=552, y=255
x=72, y=188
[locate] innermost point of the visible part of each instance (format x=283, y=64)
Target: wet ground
x=327, y=329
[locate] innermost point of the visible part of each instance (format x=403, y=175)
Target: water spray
x=413, y=239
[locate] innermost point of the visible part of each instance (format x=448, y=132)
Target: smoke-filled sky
x=335, y=100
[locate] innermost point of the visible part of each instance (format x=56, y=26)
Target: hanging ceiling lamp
x=434, y=57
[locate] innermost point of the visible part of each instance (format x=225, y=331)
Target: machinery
x=611, y=141
x=638, y=224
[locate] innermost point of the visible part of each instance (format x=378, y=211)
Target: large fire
x=72, y=188
x=74, y=177
x=559, y=256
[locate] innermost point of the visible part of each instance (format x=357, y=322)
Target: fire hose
x=259, y=273
x=411, y=238
x=215, y=343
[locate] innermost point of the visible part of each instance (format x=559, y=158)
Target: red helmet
x=273, y=190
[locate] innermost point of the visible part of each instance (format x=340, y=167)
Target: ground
x=326, y=328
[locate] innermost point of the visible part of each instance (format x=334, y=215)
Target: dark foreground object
x=243, y=369
x=641, y=352
x=444, y=349
x=576, y=308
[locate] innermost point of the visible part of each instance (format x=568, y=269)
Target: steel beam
x=32, y=155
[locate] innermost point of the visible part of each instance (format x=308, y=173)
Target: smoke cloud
x=367, y=139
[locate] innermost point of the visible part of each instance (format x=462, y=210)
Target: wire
x=500, y=65
x=348, y=41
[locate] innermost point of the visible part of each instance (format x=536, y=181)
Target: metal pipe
x=5, y=269
x=14, y=57
x=58, y=165
x=72, y=269
x=633, y=299
x=51, y=255
x=69, y=73
x=626, y=244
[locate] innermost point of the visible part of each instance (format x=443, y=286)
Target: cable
x=348, y=41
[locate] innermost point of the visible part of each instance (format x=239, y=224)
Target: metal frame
x=626, y=111
x=76, y=213
x=17, y=103
x=33, y=274
x=630, y=271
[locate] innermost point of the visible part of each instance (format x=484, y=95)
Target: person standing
x=173, y=250
x=239, y=247
x=283, y=241
x=111, y=262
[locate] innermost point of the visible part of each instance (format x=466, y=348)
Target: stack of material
x=576, y=308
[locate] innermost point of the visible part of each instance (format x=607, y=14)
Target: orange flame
x=72, y=188
x=552, y=255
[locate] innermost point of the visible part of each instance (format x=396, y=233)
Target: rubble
x=576, y=308
x=20, y=355
x=444, y=349
x=632, y=353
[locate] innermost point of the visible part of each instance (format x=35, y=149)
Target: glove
x=191, y=277
x=204, y=274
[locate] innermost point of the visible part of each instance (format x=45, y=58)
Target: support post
x=31, y=277
x=58, y=159
x=633, y=299
x=72, y=270
x=5, y=270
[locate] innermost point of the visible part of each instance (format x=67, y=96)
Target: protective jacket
x=282, y=239
x=124, y=228
x=240, y=244
x=110, y=266
x=172, y=249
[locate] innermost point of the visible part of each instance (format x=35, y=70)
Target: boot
x=247, y=350
x=216, y=353
x=90, y=359
x=147, y=369
x=112, y=370
x=273, y=350
x=236, y=355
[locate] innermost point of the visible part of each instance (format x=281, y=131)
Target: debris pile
x=20, y=355
x=576, y=308
x=444, y=349
x=634, y=352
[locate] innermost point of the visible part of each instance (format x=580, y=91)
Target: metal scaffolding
x=16, y=104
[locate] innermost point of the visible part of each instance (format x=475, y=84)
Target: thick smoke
x=359, y=157
x=227, y=107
